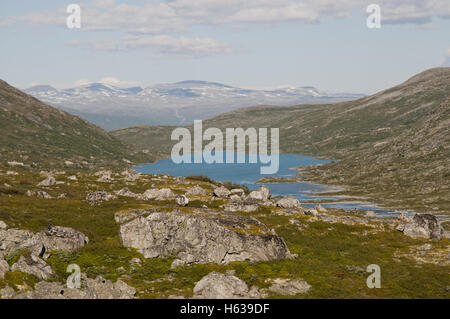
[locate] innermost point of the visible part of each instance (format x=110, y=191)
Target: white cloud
x=162, y=44
x=157, y=17
x=157, y=21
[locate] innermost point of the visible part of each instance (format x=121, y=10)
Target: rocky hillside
x=157, y=236
x=38, y=135
x=392, y=146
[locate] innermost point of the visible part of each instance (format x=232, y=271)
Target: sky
x=249, y=44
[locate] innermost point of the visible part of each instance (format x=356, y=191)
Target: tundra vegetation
x=330, y=256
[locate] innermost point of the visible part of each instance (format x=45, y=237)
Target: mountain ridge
x=180, y=103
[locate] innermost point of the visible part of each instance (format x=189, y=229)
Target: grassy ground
x=331, y=257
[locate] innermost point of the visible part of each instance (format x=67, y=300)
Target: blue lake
x=248, y=173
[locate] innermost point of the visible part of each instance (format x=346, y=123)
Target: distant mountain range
x=180, y=103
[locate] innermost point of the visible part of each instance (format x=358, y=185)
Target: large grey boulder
x=262, y=194
x=288, y=202
x=423, y=226
x=204, y=236
x=13, y=239
x=216, y=285
x=61, y=238
x=52, y=238
x=33, y=265
x=221, y=192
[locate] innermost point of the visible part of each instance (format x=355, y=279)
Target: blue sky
x=252, y=44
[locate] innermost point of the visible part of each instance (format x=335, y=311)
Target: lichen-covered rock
x=3, y=225
x=49, y=181
x=4, y=266
x=423, y=226
x=320, y=209
x=158, y=194
x=61, y=238
x=94, y=198
x=126, y=192
x=98, y=288
x=288, y=287
x=38, y=194
x=130, y=176
x=33, y=265
x=52, y=238
x=262, y=194
x=181, y=200
x=196, y=191
x=238, y=205
x=204, y=236
x=237, y=191
x=216, y=285
x=288, y=202
x=13, y=239
x=222, y=192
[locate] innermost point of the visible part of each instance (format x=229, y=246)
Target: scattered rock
x=33, y=265
x=38, y=194
x=204, y=236
x=238, y=191
x=242, y=205
x=423, y=226
x=98, y=288
x=72, y=178
x=262, y=194
x=126, y=193
x=122, y=217
x=181, y=200
x=15, y=164
x=320, y=209
x=288, y=202
x=288, y=287
x=7, y=292
x=221, y=192
x=11, y=173
x=4, y=267
x=49, y=181
x=158, y=194
x=196, y=191
x=94, y=198
x=3, y=225
x=311, y=212
x=370, y=214
x=216, y=285
x=130, y=176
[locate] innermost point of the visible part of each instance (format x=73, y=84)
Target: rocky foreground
x=156, y=236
